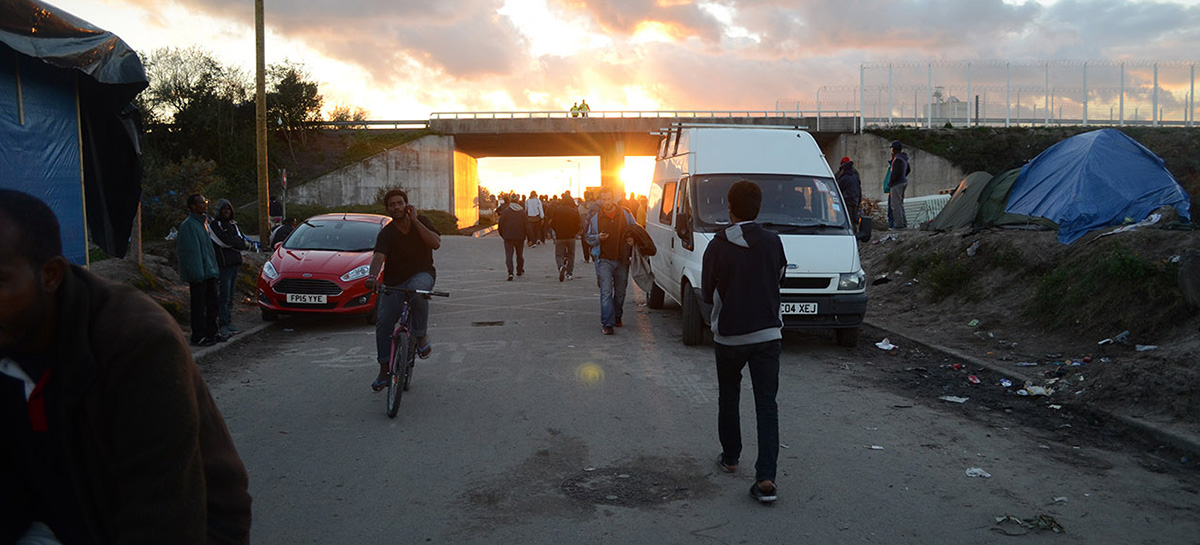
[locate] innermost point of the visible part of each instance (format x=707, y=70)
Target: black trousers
x=204, y=308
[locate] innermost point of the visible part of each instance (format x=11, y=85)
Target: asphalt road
x=529, y=426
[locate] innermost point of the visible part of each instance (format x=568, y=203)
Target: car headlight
x=852, y=281
x=356, y=273
x=269, y=271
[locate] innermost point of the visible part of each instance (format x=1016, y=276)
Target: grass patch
x=1113, y=289
x=95, y=254
x=942, y=275
x=1006, y=257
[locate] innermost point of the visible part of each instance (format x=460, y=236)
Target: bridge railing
x=697, y=114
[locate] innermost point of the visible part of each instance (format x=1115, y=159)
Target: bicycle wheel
x=412, y=358
x=398, y=368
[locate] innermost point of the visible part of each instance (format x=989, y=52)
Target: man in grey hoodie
x=743, y=268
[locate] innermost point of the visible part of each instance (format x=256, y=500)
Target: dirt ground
x=987, y=318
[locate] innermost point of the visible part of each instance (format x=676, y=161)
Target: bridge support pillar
x=612, y=160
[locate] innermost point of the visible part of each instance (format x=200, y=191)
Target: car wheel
x=847, y=337
x=693, y=322
x=655, y=298
x=269, y=315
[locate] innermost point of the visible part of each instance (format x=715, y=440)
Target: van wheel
x=693, y=322
x=269, y=315
x=847, y=337
x=655, y=298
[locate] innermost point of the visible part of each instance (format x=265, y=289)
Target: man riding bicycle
x=404, y=250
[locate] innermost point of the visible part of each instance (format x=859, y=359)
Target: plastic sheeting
x=67, y=83
x=1094, y=180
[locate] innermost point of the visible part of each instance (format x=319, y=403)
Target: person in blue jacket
x=198, y=268
x=743, y=268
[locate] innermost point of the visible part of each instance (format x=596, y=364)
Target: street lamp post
x=578, y=181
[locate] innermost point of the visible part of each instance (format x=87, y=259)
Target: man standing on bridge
x=743, y=268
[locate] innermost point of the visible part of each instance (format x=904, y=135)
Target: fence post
x=1121, y=109
x=1154, y=93
x=890, y=107
x=968, y=97
x=1085, y=95
x=861, y=89
x=1007, y=91
x=1046, y=89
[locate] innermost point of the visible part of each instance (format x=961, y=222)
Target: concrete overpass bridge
x=440, y=170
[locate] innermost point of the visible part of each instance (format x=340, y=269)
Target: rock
x=1189, y=278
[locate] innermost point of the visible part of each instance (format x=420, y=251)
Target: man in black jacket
x=109, y=433
x=228, y=243
x=851, y=187
x=742, y=271
x=512, y=224
x=565, y=221
x=897, y=184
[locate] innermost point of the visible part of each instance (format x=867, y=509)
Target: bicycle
x=404, y=348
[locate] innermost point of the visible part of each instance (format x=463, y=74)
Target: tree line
x=199, y=119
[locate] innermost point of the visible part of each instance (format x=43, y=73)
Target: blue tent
x=68, y=129
x=1094, y=180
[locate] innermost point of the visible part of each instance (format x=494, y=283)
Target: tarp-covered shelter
x=963, y=205
x=1093, y=180
x=68, y=130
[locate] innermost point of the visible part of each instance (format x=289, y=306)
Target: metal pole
x=1192, y=109
x=929, y=114
x=861, y=89
x=260, y=125
x=1046, y=123
x=1154, y=93
x=818, y=109
x=1085, y=95
x=1007, y=92
x=1121, y=109
x=968, y=94
x=889, y=94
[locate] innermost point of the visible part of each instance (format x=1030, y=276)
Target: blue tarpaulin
x=1094, y=180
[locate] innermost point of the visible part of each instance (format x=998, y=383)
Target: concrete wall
x=871, y=153
x=434, y=174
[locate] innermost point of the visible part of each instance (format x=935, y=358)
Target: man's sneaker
x=519, y=273
x=619, y=323
x=562, y=273
x=232, y=329
x=764, y=494
x=608, y=330
x=510, y=277
x=727, y=468
x=221, y=338
x=204, y=341
x=570, y=276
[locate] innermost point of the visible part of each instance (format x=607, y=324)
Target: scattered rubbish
x=1076, y=364
x=972, y=249
x=973, y=379
x=1055, y=407
x=1053, y=356
x=902, y=406
x=1060, y=499
x=1006, y=383
x=1176, y=258
x=1087, y=359
x=881, y=280
x=978, y=472
x=288, y=329
x=1041, y=522
x=875, y=447
x=886, y=238
x=1030, y=390
x=956, y=366
x=174, y=234
x=1047, y=447
x=1122, y=337
x=589, y=469
x=1146, y=347
x=1026, y=364
x=973, y=323
x=954, y=399
x=1105, y=341
x=885, y=344
x=1105, y=360
x=783, y=445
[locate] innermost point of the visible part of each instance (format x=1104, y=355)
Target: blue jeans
x=763, y=359
x=613, y=278
x=389, y=314
x=225, y=287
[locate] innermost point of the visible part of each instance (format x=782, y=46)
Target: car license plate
x=798, y=308
x=306, y=299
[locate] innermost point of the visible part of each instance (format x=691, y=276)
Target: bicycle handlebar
x=380, y=288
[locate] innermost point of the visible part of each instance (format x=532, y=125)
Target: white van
x=824, y=287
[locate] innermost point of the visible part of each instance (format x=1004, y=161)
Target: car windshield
x=789, y=204
x=335, y=235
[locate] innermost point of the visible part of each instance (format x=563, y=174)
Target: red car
x=322, y=268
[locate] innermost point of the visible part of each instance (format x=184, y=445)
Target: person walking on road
x=512, y=230
x=110, y=433
x=851, y=187
x=228, y=244
x=900, y=169
x=612, y=246
x=198, y=268
x=743, y=268
x=533, y=208
x=587, y=206
x=566, y=229
x=404, y=251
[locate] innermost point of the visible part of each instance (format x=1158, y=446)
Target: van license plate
x=306, y=299
x=798, y=308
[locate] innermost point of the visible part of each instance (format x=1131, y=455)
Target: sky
x=404, y=59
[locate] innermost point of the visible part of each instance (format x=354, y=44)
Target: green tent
x=994, y=199
x=961, y=210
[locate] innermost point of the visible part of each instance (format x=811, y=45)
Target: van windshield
x=790, y=204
